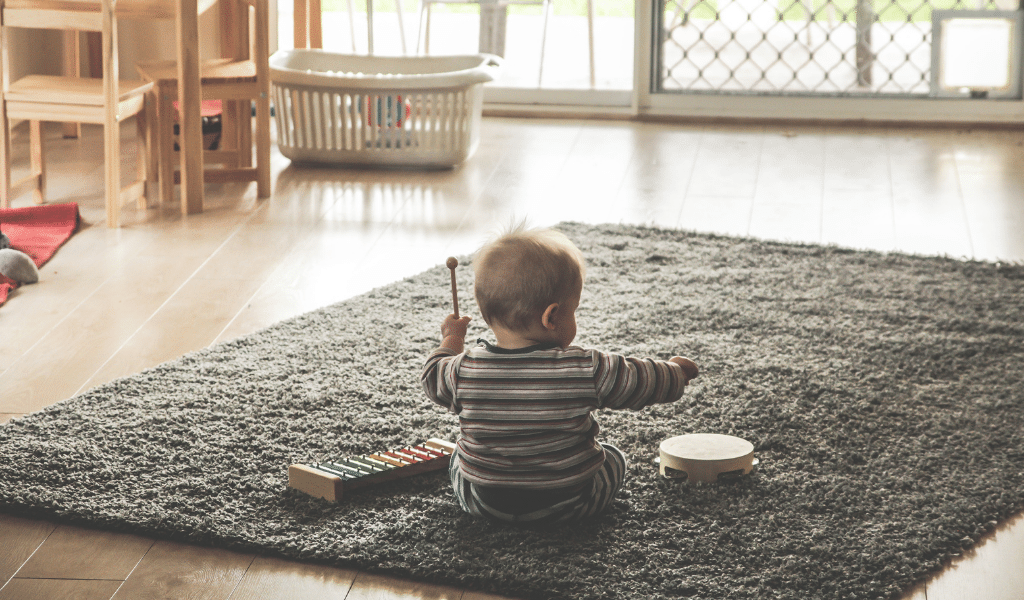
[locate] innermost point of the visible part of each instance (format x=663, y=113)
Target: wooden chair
x=236, y=81
x=36, y=98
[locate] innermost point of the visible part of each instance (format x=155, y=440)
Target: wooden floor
x=113, y=302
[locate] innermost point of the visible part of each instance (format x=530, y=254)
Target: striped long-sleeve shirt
x=526, y=414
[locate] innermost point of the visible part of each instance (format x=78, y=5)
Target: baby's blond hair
x=523, y=271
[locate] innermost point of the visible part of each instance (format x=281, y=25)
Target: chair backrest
x=73, y=15
x=108, y=22
x=236, y=13
x=261, y=43
x=256, y=47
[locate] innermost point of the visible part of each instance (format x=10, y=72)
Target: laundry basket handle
x=493, y=60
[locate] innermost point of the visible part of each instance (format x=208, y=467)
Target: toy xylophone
x=332, y=478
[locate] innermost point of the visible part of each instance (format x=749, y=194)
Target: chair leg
x=151, y=123
x=263, y=147
x=142, y=156
x=112, y=178
x=36, y=160
x=230, y=115
x=165, y=143
x=245, y=134
x=5, y=157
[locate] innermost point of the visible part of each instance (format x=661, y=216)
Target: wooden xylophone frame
x=331, y=479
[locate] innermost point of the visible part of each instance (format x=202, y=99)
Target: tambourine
x=707, y=457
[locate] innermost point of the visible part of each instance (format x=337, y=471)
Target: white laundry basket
x=418, y=111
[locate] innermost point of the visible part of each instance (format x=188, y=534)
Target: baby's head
x=523, y=272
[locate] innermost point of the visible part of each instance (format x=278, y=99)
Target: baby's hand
x=689, y=367
x=455, y=327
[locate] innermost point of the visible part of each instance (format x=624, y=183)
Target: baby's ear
x=548, y=318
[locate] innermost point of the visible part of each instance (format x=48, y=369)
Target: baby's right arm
x=453, y=333
x=439, y=372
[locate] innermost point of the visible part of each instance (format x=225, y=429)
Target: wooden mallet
x=452, y=263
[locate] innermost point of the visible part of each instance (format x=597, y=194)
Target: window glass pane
x=518, y=32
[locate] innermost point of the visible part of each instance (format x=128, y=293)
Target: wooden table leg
x=189, y=97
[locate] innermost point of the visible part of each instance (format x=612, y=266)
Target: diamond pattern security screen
x=807, y=47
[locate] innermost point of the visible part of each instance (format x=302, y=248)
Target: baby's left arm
x=689, y=367
x=632, y=383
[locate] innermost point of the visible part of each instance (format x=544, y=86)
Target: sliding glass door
x=941, y=60
x=895, y=60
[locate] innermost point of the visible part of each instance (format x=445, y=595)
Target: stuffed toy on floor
x=15, y=264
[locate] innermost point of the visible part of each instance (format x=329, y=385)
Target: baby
x=528, y=450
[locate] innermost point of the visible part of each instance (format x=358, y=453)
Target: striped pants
x=592, y=498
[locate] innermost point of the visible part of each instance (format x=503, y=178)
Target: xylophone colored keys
x=331, y=479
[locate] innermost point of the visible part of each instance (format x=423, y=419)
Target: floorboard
x=78, y=553
x=174, y=570
x=20, y=539
x=276, y=579
x=49, y=589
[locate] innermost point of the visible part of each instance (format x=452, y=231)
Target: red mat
x=37, y=231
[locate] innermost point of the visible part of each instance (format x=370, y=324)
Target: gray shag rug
x=884, y=394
